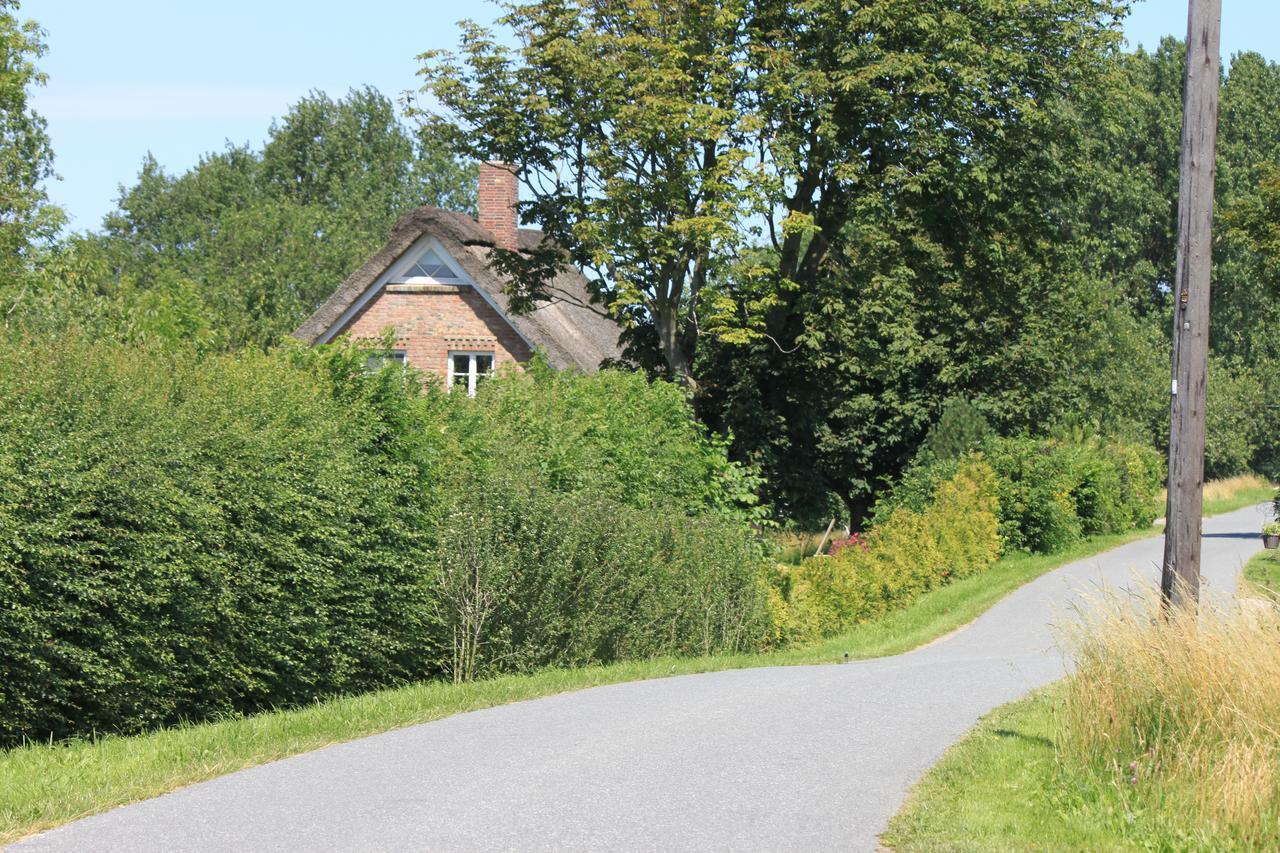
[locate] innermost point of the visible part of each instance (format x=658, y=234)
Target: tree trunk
x=676, y=344
x=858, y=508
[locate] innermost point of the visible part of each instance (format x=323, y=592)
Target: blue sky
x=180, y=78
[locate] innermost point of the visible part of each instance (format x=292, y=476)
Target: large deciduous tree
x=628, y=123
x=925, y=158
x=658, y=140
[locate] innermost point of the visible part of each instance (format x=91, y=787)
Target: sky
x=179, y=79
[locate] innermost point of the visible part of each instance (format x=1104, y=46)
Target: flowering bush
x=853, y=540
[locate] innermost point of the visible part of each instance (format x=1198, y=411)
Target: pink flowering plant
x=854, y=540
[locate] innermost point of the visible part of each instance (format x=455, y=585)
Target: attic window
x=431, y=265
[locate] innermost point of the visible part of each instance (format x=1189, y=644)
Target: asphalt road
x=785, y=758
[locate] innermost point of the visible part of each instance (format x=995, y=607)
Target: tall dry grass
x=1221, y=490
x=1180, y=715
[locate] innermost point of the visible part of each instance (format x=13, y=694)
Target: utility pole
x=1180, y=579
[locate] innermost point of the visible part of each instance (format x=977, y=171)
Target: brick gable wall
x=430, y=320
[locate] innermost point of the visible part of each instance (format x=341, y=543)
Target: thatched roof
x=567, y=333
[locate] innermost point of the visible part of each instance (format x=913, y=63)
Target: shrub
x=613, y=433
x=853, y=540
x=1052, y=491
x=186, y=536
x=1236, y=414
x=960, y=429
x=181, y=540
x=906, y=555
x=529, y=578
x=593, y=520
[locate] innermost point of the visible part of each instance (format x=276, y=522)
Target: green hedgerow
x=186, y=536
x=1052, y=491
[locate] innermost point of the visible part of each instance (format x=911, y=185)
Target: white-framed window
x=467, y=369
x=378, y=360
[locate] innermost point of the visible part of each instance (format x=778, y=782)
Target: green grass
x=42, y=786
x=1262, y=574
x=1001, y=789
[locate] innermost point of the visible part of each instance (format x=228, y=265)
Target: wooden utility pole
x=1180, y=580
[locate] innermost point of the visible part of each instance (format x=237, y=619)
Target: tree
x=1253, y=225
x=26, y=158
x=1246, y=290
x=625, y=121
x=893, y=218
x=354, y=155
x=943, y=261
x=241, y=248
x=658, y=140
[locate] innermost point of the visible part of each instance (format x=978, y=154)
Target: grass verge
x=1262, y=575
x=998, y=789
x=1002, y=788
x=1251, y=490
x=42, y=786
x=1162, y=740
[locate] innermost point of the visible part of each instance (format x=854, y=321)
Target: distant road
x=784, y=758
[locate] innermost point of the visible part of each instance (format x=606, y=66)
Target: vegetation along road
x=773, y=759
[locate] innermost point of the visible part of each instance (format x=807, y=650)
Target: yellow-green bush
x=905, y=556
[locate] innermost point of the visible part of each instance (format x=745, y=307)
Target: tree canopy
x=26, y=157
x=657, y=141
x=238, y=250
x=826, y=220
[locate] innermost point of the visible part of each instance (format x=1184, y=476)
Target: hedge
x=1052, y=491
x=181, y=540
x=183, y=537
x=595, y=520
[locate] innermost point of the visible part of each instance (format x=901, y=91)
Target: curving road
x=785, y=758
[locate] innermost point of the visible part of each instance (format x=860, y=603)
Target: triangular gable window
x=431, y=265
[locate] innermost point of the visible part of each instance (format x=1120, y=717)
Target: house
x=432, y=286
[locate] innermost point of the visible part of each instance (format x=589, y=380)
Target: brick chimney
x=497, y=203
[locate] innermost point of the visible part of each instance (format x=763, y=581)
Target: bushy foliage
x=614, y=433
x=593, y=520
x=241, y=248
x=26, y=157
x=529, y=578
x=1238, y=428
x=1052, y=491
x=181, y=540
x=903, y=557
x=183, y=536
x=960, y=428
